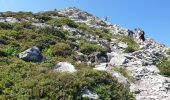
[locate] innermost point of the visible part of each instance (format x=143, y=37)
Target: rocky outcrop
x=83, y=17
x=8, y=19
x=32, y=54
x=149, y=84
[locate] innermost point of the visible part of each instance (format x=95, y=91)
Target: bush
x=60, y=49
x=42, y=18
x=52, y=31
x=5, y=26
x=124, y=72
x=87, y=48
x=132, y=45
x=168, y=52
x=62, y=21
x=24, y=80
x=11, y=51
x=164, y=66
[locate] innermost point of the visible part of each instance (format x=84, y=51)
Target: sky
x=153, y=16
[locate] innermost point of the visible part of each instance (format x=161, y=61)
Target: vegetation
x=33, y=81
x=62, y=21
x=87, y=48
x=124, y=72
x=164, y=66
x=132, y=45
x=20, y=80
x=168, y=52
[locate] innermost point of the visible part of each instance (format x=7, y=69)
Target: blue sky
x=153, y=16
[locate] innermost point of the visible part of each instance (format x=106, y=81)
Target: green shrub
x=42, y=18
x=124, y=72
x=129, y=49
x=5, y=26
x=11, y=51
x=164, y=66
x=87, y=48
x=61, y=49
x=24, y=80
x=62, y=21
x=52, y=31
x=168, y=52
x=132, y=45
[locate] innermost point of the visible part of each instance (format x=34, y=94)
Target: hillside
x=71, y=54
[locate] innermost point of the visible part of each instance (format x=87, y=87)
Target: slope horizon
x=151, y=16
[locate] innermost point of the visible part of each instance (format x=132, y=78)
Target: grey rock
x=120, y=78
x=117, y=60
x=122, y=45
x=88, y=94
x=31, y=54
x=64, y=67
x=101, y=67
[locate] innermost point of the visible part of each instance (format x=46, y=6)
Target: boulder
x=117, y=60
x=88, y=94
x=64, y=67
x=32, y=54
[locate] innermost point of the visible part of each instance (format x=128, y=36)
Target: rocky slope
x=149, y=84
x=109, y=48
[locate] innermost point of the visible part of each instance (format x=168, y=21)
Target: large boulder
x=32, y=54
x=117, y=60
x=64, y=67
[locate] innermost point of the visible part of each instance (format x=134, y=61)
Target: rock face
x=64, y=67
x=32, y=54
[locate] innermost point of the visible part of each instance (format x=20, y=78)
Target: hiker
x=140, y=35
x=130, y=33
x=105, y=19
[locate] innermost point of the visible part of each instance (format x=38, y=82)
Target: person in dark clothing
x=140, y=34
x=130, y=33
x=142, y=37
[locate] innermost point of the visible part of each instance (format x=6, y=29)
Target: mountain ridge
x=71, y=40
